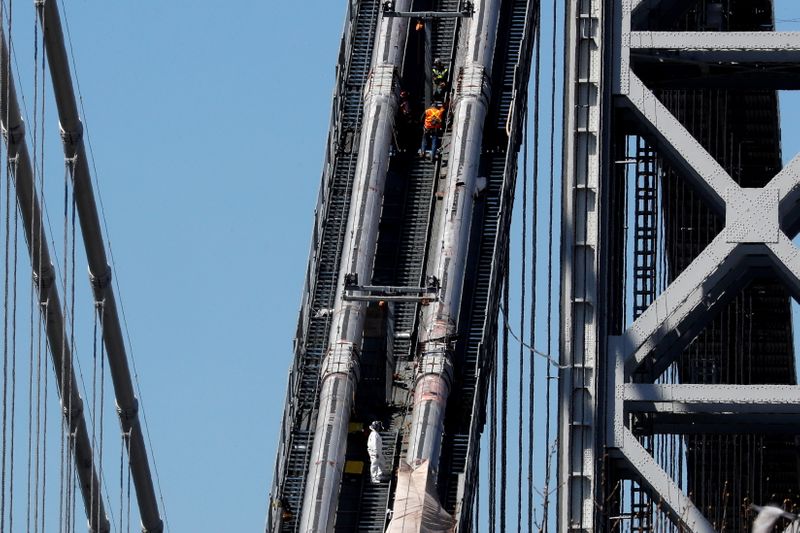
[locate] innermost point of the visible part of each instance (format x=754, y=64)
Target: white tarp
x=416, y=504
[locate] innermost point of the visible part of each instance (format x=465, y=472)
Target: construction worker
x=439, y=73
x=406, y=124
x=377, y=462
x=440, y=92
x=432, y=129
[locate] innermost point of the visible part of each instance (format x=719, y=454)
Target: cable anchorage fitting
x=72, y=411
x=100, y=283
x=72, y=137
x=129, y=417
x=44, y=279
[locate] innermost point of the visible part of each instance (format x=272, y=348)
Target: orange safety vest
x=433, y=118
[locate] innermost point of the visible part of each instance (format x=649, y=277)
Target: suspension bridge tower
x=679, y=401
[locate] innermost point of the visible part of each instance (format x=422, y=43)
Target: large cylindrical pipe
x=99, y=270
x=449, y=256
x=339, y=371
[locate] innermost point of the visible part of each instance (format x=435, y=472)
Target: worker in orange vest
x=432, y=129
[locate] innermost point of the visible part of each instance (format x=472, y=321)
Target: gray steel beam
x=715, y=46
x=697, y=287
x=755, y=222
x=713, y=399
x=49, y=301
x=787, y=183
x=676, y=143
x=99, y=270
x=585, y=79
x=339, y=372
x=661, y=487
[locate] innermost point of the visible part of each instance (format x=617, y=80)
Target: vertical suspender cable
x=534, y=261
x=548, y=458
x=504, y=399
x=522, y=292
x=44, y=277
x=100, y=272
x=6, y=270
x=5, y=70
x=493, y=449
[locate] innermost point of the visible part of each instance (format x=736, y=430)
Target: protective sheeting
x=416, y=504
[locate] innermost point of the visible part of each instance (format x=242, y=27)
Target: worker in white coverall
x=377, y=463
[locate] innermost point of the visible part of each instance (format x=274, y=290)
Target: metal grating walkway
x=332, y=212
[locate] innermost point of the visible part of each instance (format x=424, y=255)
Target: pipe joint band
x=101, y=282
x=473, y=82
x=72, y=412
x=341, y=359
x=44, y=279
x=15, y=135
x=382, y=81
x=72, y=137
x=129, y=416
x=436, y=360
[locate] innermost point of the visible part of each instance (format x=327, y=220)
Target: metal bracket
x=465, y=9
x=377, y=293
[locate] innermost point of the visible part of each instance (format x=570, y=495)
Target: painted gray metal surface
x=449, y=253
x=340, y=365
x=49, y=300
x=577, y=384
x=758, y=226
x=99, y=270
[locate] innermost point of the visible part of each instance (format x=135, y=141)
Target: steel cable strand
x=493, y=446
x=142, y=410
x=548, y=460
x=13, y=361
x=523, y=275
x=504, y=401
x=6, y=272
x=41, y=391
x=68, y=393
x=34, y=347
x=7, y=167
x=62, y=370
x=100, y=411
x=534, y=260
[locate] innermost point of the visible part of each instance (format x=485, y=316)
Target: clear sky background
x=208, y=124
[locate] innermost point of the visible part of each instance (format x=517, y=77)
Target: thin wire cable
x=504, y=404
x=13, y=364
x=523, y=288
x=115, y=280
x=6, y=282
x=534, y=263
x=551, y=221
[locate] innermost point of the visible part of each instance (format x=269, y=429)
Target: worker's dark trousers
x=432, y=137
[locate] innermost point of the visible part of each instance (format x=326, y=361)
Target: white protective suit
x=377, y=463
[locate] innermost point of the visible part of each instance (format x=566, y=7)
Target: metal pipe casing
x=99, y=270
x=449, y=257
x=435, y=376
x=339, y=368
x=49, y=300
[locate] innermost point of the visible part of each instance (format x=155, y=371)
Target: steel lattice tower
x=679, y=401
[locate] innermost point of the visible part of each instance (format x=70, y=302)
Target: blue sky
x=208, y=126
